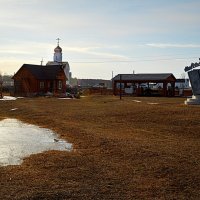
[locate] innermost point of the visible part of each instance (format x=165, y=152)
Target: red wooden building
x=33, y=80
x=141, y=84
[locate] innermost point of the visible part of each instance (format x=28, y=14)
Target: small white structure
x=129, y=90
x=182, y=83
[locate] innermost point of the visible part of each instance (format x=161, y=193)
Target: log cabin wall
x=25, y=83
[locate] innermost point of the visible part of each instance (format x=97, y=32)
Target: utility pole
x=120, y=91
x=112, y=82
x=1, y=87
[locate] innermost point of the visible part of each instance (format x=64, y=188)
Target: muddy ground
x=122, y=149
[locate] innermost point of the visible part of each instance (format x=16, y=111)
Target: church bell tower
x=57, y=53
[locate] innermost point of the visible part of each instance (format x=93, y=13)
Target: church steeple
x=57, y=53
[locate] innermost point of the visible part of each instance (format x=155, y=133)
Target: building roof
x=64, y=64
x=182, y=80
x=42, y=72
x=144, y=77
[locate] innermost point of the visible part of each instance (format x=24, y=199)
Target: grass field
x=122, y=149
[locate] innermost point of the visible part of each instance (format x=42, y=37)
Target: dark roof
x=43, y=72
x=144, y=77
x=58, y=48
x=181, y=80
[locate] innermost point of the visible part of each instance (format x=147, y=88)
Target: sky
x=100, y=38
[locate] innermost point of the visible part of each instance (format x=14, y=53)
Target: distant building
x=7, y=81
x=182, y=83
x=87, y=83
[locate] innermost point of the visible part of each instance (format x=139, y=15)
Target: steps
x=195, y=100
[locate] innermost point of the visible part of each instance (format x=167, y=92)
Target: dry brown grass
x=122, y=150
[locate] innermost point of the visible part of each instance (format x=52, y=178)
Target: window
x=59, y=84
x=41, y=84
x=118, y=85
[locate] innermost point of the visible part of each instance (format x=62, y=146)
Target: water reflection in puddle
x=19, y=140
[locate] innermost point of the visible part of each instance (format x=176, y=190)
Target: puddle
x=19, y=140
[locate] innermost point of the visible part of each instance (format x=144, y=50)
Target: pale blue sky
x=101, y=36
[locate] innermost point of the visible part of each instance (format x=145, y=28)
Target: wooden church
x=50, y=79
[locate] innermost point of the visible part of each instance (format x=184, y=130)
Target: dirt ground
x=136, y=148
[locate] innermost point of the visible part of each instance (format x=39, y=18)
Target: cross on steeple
x=58, y=40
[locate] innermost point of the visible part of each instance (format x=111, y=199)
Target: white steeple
x=57, y=53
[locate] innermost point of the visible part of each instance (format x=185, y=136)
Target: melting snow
x=13, y=109
x=8, y=98
x=136, y=101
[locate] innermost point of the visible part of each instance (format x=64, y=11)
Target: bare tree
x=183, y=76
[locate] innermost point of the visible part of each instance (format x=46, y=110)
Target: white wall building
x=179, y=84
x=182, y=83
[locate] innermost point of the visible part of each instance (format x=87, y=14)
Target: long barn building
x=144, y=84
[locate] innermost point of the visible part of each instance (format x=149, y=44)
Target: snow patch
x=136, y=101
x=8, y=98
x=13, y=109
